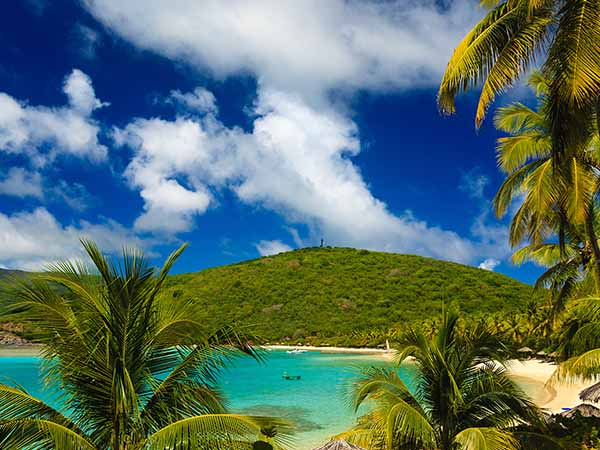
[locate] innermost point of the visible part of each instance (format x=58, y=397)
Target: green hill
x=317, y=295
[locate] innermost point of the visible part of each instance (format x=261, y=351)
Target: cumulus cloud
x=166, y=153
x=267, y=248
x=489, y=264
x=22, y=183
x=42, y=133
x=306, y=46
x=297, y=160
x=29, y=240
x=79, y=90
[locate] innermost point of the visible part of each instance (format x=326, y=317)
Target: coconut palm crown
x=557, y=214
x=132, y=369
x=463, y=398
x=508, y=39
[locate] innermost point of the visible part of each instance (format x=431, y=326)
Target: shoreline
x=20, y=350
x=328, y=349
x=563, y=395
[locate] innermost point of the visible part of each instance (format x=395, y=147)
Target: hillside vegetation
x=325, y=295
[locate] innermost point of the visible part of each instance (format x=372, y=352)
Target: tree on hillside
x=503, y=45
x=463, y=398
x=133, y=372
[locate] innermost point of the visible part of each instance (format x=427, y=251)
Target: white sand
x=387, y=355
x=20, y=350
x=327, y=349
x=557, y=396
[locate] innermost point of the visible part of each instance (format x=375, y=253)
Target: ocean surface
x=317, y=403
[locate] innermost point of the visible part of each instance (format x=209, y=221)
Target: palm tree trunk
x=591, y=232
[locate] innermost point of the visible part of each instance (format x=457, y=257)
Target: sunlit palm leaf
x=485, y=439
x=215, y=431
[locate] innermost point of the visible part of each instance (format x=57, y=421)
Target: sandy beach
x=556, y=396
x=383, y=353
x=20, y=350
x=328, y=349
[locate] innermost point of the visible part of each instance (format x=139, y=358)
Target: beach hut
x=584, y=409
x=591, y=394
x=340, y=444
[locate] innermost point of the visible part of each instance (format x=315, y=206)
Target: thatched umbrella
x=584, y=409
x=525, y=350
x=340, y=444
x=591, y=394
x=554, y=355
x=542, y=353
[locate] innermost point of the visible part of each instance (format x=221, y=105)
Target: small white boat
x=296, y=350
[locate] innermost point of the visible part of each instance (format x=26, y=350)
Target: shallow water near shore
x=317, y=403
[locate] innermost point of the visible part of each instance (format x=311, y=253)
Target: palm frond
x=217, y=431
x=485, y=438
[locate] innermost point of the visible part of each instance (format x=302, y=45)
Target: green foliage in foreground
x=329, y=295
x=123, y=361
x=464, y=400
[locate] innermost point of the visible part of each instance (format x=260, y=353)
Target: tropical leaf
x=216, y=431
x=485, y=439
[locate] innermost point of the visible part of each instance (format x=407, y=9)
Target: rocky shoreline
x=9, y=335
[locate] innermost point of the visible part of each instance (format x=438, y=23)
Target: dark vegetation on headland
x=338, y=296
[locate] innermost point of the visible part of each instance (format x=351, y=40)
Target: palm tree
x=134, y=370
x=557, y=199
x=504, y=44
x=582, y=344
x=464, y=398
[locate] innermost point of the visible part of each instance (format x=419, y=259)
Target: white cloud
x=79, y=90
x=200, y=100
x=43, y=132
x=306, y=46
x=29, y=240
x=20, y=182
x=267, y=248
x=489, y=264
x=166, y=151
x=296, y=160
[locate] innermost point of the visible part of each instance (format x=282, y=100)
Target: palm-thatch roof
x=591, y=394
x=584, y=409
x=340, y=444
x=525, y=350
x=542, y=353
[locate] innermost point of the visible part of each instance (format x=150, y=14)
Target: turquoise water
x=317, y=403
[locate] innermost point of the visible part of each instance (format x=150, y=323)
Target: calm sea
x=317, y=403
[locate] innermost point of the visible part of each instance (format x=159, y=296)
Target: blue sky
x=244, y=128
